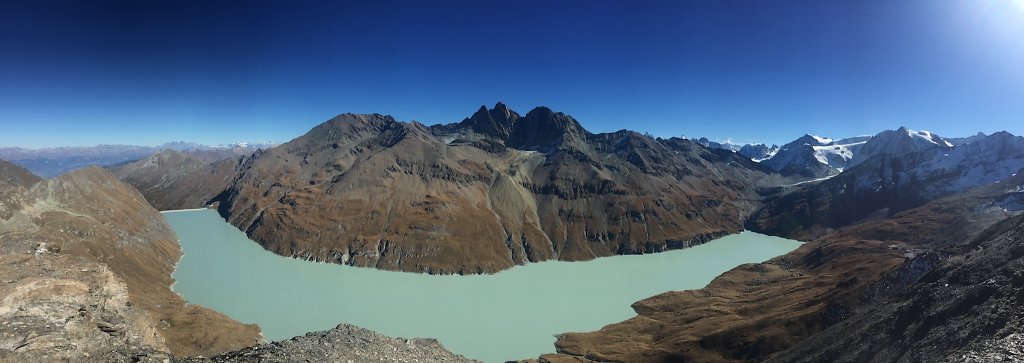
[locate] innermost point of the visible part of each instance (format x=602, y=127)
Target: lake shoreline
x=288, y=297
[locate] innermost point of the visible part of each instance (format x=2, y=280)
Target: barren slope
x=90, y=215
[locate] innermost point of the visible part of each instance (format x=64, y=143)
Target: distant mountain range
x=813, y=157
x=899, y=170
x=51, y=162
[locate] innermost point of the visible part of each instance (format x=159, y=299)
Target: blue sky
x=146, y=72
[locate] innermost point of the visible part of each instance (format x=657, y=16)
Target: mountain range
x=913, y=241
x=51, y=162
x=368, y=190
x=812, y=156
x=392, y=194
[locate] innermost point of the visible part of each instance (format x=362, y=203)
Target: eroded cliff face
x=491, y=192
x=64, y=308
x=880, y=290
x=103, y=254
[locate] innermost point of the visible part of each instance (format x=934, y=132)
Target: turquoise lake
x=510, y=315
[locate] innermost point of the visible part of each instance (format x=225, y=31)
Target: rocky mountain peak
x=758, y=152
x=542, y=128
x=496, y=122
x=361, y=117
x=481, y=114
x=898, y=142
x=501, y=113
x=809, y=139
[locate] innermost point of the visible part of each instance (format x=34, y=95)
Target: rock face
x=871, y=292
x=345, y=343
x=758, y=152
x=493, y=191
x=890, y=182
x=64, y=308
x=85, y=256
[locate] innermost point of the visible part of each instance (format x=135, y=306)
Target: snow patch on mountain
x=821, y=140
x=928, y=136
x=815, y=156
x=987, y=160
x=771, y=153
x=837, y=154
x=899, y=142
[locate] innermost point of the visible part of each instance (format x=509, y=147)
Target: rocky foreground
x=344, y=343
x=87, y=246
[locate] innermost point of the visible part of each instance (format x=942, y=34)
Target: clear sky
x=145, y=72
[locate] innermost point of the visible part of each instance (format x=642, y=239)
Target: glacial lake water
x=510, y=315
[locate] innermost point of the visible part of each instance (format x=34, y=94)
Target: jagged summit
x=543, y=127
x=808, y=139
x=501, y=111
x=809, y=156
x=495, y=122
x=540, y=129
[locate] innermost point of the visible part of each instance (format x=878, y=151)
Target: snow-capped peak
x=822, y=140
x=814, y=156
x=927, y=136
x=901, y=141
